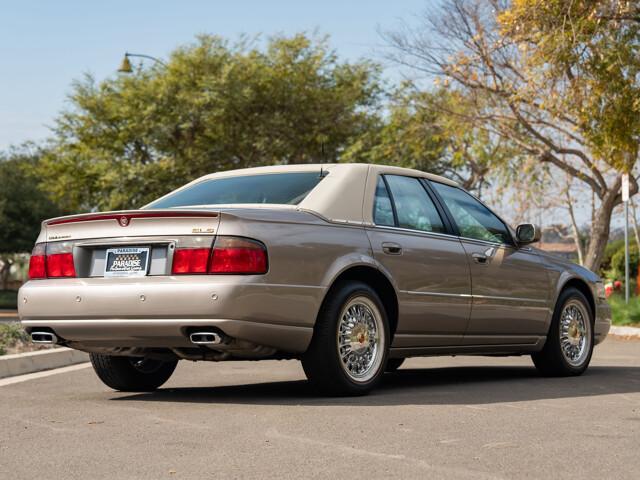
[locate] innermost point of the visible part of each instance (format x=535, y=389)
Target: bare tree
x=544, y=105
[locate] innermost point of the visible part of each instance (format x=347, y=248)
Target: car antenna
x=322, y=172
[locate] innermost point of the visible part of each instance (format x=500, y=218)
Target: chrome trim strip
x=285, y=285
x=515, y=299
x=438, y=294
x=445, y=235
x=334, y=221
x=467, y=295
x=151, y=240
x=420, y=232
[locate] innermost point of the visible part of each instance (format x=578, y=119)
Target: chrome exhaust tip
x=205, y=338
x=44, y=337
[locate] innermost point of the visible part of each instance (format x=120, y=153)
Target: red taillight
x=190, y=260
x=60, y=265
x=52, y=265
x=238, y=255
x=37, y=263
x=229, y=255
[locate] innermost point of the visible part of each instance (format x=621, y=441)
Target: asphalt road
x=446, y=417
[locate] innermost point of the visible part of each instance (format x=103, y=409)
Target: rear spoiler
x=125, y=216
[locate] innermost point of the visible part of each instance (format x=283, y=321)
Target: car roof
x=344, y=168
x=341, y=196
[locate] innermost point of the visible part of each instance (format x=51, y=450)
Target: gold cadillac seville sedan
x=350, y=268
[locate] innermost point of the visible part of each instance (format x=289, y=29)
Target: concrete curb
x=30, y=362
x=626, y=332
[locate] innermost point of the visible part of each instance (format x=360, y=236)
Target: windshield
x=274, y=188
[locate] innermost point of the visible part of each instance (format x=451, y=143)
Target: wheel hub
x=359, y=339
x=575, y=333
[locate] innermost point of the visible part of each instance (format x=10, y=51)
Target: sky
x=45, y=45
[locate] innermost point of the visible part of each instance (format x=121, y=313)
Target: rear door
x=411, y=239
x=510, y=286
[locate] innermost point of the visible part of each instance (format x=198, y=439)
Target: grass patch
x=622, y=313
x=9, y=299
x=12, y=335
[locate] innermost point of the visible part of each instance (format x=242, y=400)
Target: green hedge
x=624, y=314
x=9, y=299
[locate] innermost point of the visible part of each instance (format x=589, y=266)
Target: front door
x=510, y=285
x=411, y=241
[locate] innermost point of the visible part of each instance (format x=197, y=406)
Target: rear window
x=274, y=188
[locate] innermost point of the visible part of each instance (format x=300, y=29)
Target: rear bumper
x=170, y=333
x=157, y=311
x=602, y=321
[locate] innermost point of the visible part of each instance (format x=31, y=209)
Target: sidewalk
x=625, y=332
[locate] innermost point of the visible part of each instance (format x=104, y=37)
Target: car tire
x=131, y=374
x=393, y=364
x=564, y=353
x=350, y=343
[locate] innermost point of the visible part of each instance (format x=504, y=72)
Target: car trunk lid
x=131, y=223
x=127, y=243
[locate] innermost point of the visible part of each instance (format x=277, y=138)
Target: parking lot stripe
x=47, y=373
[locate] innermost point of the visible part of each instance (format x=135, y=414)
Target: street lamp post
x=125, y=66
x=625, y=200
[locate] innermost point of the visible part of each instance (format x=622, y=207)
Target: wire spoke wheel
x=360, y=339
x=575, y=333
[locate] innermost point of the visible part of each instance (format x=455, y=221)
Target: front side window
x=273, y=188
x=473, y=219
x=414, y=207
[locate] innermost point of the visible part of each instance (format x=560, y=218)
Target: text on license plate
x=127, y=262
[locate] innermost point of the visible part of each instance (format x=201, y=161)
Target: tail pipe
x=206, y=338
x=44, y=338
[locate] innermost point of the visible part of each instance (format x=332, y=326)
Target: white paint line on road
x=48, y=373
x=444, y=471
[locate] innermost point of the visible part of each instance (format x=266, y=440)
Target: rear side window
x=473, y=219
x=414, y=208
x=274, y=188
x=382, y=209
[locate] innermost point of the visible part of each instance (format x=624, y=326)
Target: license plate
x=127, y=262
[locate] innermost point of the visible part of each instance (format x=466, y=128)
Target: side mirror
x=528, y=233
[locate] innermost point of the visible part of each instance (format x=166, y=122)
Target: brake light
x=239, y=256
x=51, y=261
x=60, y=265
x=229, y=255
x=190, y=260
x=37, y=267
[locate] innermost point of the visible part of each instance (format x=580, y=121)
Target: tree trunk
x=574, y=225
x=635, y=222
x=600, y=231
x=5, y=269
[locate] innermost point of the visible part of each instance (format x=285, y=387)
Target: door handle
x=483, y=258
x=479, y=258
x=391, y=248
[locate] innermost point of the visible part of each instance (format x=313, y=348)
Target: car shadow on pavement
x=433, y=386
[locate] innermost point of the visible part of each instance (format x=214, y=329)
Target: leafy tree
x=616, y=269
x=558, y=80
x=432, y=131
x=215, y=106
x=23, y=206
